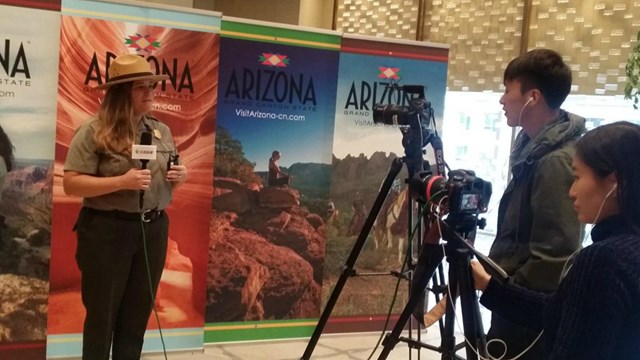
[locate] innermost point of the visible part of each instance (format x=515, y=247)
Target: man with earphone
x=538, y=228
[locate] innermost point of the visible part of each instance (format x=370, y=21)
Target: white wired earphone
x=564, y=272
x=522, y=110
x=565, y=269
x=569, y=262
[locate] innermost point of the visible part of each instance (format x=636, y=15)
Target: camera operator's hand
x=432, y=235
x=480, y=276
x=443, y=209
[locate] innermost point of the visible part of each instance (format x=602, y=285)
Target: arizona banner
x=394, y=75
x=272, y=171
x=34, y=4
x=28, y=88
x=184, y=45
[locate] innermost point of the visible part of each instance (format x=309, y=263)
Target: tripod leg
x=447, y=335
x=395, y=168
x=473, y=329
x=439, y=280
x=428, y=263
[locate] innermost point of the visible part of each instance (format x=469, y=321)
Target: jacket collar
x=566, y=127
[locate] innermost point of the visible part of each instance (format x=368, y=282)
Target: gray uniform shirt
x=85, y=159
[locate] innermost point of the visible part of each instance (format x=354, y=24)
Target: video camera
x=402, y=115
x=467, y=196
x=416, y=121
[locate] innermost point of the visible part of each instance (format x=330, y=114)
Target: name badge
x=157, y=134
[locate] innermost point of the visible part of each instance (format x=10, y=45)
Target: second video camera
x=467, y=194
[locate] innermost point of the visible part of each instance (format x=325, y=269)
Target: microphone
x=145, y=140
x=144, y=152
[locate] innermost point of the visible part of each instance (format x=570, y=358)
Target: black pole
x=394, y=170
x=448, y=339
x=430, y=257
x=409, y=257
x=471, y=324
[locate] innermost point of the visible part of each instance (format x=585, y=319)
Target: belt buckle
x=144, y=215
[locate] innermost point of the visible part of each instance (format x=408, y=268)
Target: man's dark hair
x=6, y=149
x=541, y=69
x=611, y=149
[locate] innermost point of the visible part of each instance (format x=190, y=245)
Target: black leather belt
x=147, y=215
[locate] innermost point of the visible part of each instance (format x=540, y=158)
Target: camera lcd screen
x=469, y=202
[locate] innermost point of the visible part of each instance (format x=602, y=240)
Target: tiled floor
x=355, y=346
x=330, y=346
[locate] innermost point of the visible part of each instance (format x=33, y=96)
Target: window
x=487, y=151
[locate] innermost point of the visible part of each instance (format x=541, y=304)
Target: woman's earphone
x=613, y=188
x=569, y=262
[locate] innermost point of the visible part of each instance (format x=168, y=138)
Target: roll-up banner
x=271, y=187
x=384, y=72
x=183, y=44
x=28, y=88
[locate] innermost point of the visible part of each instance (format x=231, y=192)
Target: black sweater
x=595, y=313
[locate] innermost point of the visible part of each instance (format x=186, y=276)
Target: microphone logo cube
x=144, y=152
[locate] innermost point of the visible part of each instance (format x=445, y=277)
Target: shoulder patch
x=149, y=117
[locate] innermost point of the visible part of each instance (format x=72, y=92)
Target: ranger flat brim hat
x=130, y=67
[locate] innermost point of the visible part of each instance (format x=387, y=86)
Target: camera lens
x=429, y=188
x=390, y=114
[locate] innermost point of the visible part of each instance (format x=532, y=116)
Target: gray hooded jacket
x=538, y=228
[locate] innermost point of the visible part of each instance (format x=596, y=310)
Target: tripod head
x=415, y=118
x=456, y=240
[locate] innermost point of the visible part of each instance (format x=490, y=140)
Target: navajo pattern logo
x=277, y=60
x=388, y=72
x=142, y=43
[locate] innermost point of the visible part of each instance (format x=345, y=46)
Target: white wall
x=184, y=3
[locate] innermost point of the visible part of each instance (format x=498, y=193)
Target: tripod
x=458, y=253
x=394, y=170
x=415, y=137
